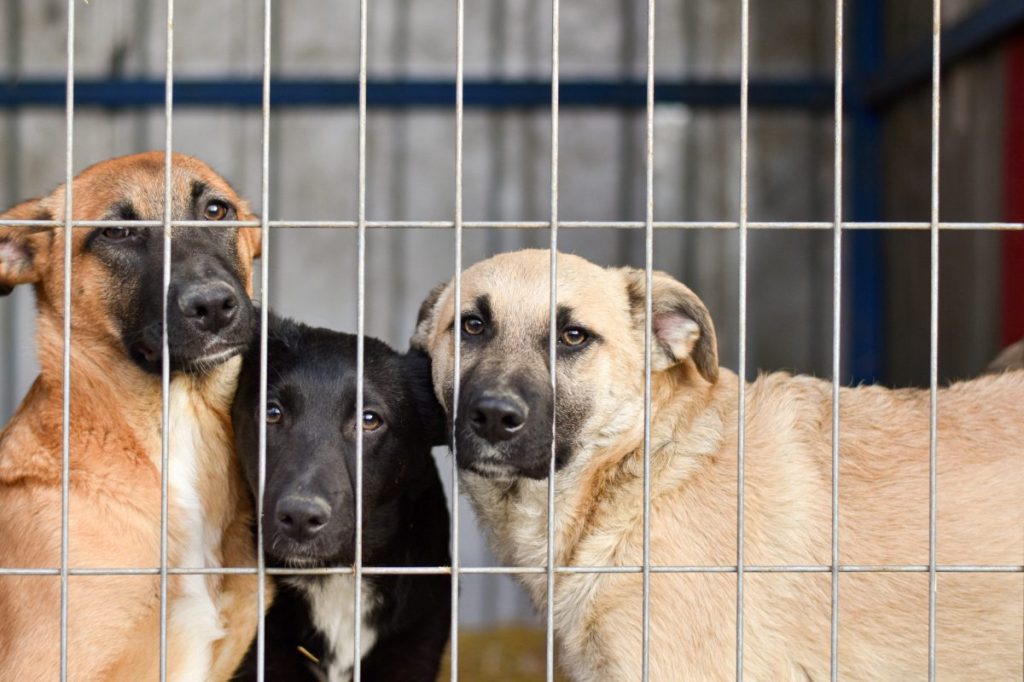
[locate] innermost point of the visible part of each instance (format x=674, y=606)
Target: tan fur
x=884, y=436
x=115, y=450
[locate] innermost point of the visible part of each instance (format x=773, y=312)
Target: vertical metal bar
x=165, y=355
x=360, y=333
x=460, y=11
x=742, y=369
x=648, y=314
x=837, y=304
x=261, y=628
x=553, y=343
x=66, y=396
x=933, y=360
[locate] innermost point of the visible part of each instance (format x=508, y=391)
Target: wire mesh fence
x=458, y=225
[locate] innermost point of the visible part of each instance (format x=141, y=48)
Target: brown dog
x=115, y=430
x=503, y=439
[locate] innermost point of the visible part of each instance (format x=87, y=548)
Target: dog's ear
x=681, y=323
x=426, y=317
x=253, y=238
x=432, y=417
x=22, y=248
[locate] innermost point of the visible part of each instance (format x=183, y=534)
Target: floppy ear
x=21, y=247
x=432, y=417
x=681, y=323
x=426, y=317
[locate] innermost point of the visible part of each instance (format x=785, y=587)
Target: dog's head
x=117, y=272
x=312, y=427
x=505, y=408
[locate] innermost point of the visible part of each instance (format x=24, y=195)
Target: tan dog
x=115, y=430
x=503, y=444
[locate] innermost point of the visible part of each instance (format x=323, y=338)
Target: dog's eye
x=371, y=420
x=274, y=413
x=574, y=336
x=215, y=210
x=116, y=234
x=472, y=325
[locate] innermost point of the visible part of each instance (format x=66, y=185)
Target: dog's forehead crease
x=518, y=291
x=135, y=185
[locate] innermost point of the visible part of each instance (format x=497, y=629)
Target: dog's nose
x=496, y=418
x=301, y=518
x=210, y=307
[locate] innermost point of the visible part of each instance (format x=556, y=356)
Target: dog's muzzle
x=506, y=428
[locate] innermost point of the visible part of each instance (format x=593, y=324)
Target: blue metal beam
x=980, y=30
x=810, y=94
x=864, y=267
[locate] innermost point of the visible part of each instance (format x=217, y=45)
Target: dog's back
x=884, y=521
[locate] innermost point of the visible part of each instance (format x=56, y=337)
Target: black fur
x=311, y=450
x=200, y=257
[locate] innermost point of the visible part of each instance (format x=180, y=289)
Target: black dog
x=309, y=505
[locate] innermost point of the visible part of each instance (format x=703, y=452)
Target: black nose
x=497, y=418
x=300, y=518
x=209, y=306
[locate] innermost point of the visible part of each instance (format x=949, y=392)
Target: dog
x=309, y=505
x=115, y=430
x=504, y=445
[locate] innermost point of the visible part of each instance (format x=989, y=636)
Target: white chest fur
x=330, y=602
x=194, y=618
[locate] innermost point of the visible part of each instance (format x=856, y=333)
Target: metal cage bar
x=742, y=364
x=165, y=355
x=933, y=333
x=261, y=481
x=837, y=309
x=648, y=322
x=896, y=226
x=65, y=464
x=528, y=570
x=460, y=20
x=357, y=607
x=552, y=345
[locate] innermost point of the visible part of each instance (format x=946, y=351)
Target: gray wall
x=507, y=162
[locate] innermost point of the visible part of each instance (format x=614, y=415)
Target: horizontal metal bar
x=810, y=93
x=979, y=30
x=530, y=224
x=521, y=570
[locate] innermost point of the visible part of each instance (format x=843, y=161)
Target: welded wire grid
x=458, y=225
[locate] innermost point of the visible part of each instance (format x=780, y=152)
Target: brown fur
x=115, y=450
x=883, y=500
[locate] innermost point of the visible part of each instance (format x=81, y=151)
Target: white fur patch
x=193, y=614
x=330, y=602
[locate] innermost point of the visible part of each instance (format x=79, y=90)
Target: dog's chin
x=302, y=556
x=191, y=363
x=506, y=461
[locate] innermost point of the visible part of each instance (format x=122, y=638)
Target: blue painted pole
x=864, y=249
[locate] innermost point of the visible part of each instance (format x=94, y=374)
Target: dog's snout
x=209, y=306
x=497, y=418
x=301, y=518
